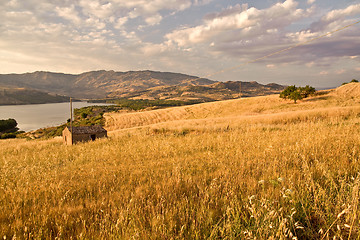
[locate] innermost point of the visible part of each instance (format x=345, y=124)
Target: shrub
x=352, y=81
x=8, y=135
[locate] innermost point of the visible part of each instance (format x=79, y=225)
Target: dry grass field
x=256, y=168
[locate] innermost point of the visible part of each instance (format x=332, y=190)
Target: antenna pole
x=240, y=89
x=71, y=119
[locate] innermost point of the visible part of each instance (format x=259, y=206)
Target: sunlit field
x=262, y=168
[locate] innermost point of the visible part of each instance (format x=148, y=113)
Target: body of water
x=35, y=116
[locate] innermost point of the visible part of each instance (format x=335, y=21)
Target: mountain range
x=132, y=84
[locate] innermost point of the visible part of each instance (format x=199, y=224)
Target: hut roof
x=87, y=129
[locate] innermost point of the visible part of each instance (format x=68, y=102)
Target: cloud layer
x=190, y=36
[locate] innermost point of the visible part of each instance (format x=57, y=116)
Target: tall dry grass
x=290, y=176
x=344, y=96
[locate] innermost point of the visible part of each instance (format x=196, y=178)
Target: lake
x=35, y=116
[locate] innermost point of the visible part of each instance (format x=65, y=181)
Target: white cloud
x=149, y=10
x=301, y=36
x=311, y=1
x=324, y=73
x=96, y=8
x=12, y=3
x=121, y=22
x=95, y=23
x=340, y=71
x=68, y=13
x=240, y=23
x=335, y=18
x=310, y=64
x=341, y=13
x=153, y=20
x=240, y=32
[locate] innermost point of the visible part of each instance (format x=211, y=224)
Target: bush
x=352, y=81
x=8, y=135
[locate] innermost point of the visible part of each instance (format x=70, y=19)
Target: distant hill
x=134, y=85
x=98, y=84
x=14, y=96
x=211, y=92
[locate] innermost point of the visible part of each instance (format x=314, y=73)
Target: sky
x=204, y=38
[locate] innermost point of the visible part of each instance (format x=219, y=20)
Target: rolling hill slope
x=261, y=167
x=344, y=98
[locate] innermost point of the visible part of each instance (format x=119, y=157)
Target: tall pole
x=71, y=119
x=240, y=89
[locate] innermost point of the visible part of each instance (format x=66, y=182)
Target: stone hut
x=83, y=134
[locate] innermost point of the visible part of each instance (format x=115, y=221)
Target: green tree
x=297, y=93
x=306, y=91
x=287, y=91
x=8, y=125
x=8, y=128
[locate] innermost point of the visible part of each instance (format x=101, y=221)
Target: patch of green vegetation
x=8, y=129
x=352, y=81
x=139, y=104
x=8, y=125
x=49, y=132
x=297, y=93
x=89, y=116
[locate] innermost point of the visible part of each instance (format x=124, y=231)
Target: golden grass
x=277, y=174
x=347, y=95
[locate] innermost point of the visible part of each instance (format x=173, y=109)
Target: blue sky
x=196, y=37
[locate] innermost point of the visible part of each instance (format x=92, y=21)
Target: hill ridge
x=96, y=84
x=144, y=84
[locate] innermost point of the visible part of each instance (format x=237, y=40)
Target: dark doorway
x=93, y=137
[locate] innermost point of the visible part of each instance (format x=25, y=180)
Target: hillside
x=97, y=84
x=14, y=96
x=238, y=110
x=255, y=168
x=135, y=85
x=211, y=92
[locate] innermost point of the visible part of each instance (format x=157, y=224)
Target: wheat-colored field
x=266, y=107
x=261, y=168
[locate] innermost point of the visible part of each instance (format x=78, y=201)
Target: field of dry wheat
x=259, y=168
